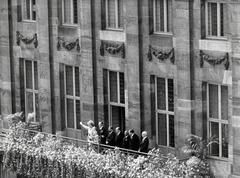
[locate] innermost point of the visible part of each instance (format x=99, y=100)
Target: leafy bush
x=39, y=155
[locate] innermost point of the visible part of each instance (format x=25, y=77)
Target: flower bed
x=48, y=156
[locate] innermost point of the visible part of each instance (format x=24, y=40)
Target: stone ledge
x=215, y=45
x=111, y=35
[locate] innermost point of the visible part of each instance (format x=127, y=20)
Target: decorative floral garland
x=27, y=40
x=160, y=54
x=112, y=48
x=213, y=60
x=68, y=45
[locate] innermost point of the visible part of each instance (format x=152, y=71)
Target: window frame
x=31, y=9
x=73, y=97
x=210, y=36
x=118, y=103
x=166, y=18
x=116, y=28
x=218, y=120
x=166, y=112
x=33, y=90
x=71, y=13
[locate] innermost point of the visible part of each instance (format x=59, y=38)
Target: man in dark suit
x=144, y=143
x=126, y=139
x=102, y=133
x=134, y=140
x=111, y=137
x=119, y=138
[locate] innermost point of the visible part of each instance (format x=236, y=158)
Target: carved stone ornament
x=68, y=45
x=161, y=55
x=112, y=48
x=214, y=60
x=27, y=40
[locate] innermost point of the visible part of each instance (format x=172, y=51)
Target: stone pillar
x=5, y=76
x=132, y=67
x=182, y=46
x=44, y=65
x=234, y=21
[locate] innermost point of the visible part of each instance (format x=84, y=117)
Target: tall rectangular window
x=217, y=113
x=31, y=88
x=161, y=15
x=165, y=111
x=29, y=10
x=70, y=12
x=215, y=14
x=114, y=14
x=72, y=97
x=116, y=99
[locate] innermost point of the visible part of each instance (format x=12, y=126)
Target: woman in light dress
x=92, y=131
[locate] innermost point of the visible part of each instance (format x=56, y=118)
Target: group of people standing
x=127, y=139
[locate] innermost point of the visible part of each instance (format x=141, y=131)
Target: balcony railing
x=99, y=148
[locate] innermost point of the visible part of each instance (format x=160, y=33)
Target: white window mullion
x=65, y=94
x=206, y=18
x=208, y=124
x=63, y=11
x=74, y=101
x=106, y=7
x=71, y=11
x=109, y=95
x=116, y=14
x=154, y=15
x=165, y=15
x=25, y=85
x=218, y=20
x=30, y=9
x=33, y=89
x=156, y=109
x=220, y=123
x=118, y=87
x=167, y=116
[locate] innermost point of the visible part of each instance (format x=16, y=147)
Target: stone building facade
x=170, y=67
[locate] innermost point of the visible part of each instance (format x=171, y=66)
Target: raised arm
x=84, y=126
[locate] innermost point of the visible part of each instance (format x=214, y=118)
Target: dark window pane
x=214, y=132
x=75, y=11
x=113, y=87
x=212, y=16
x=69, y=80
x=213, y=101
x=159, y=15
x=224, y=102
x=222, y=19
x=78, y=113
x=77, y=82
x=162, y=129
x=120, y=13
x=29, y=103
x=28, y=9
x=70, y=113
x=121, y=81
x=29, y=77
x=33, y=10
x=161, y=94
x=67, y=11
x=171, y=131
x=170, y=95
x=111, y=14
x=36, y=75
x=225, y=140
x=37, y=107
x=168, y=21
x=118, y=117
